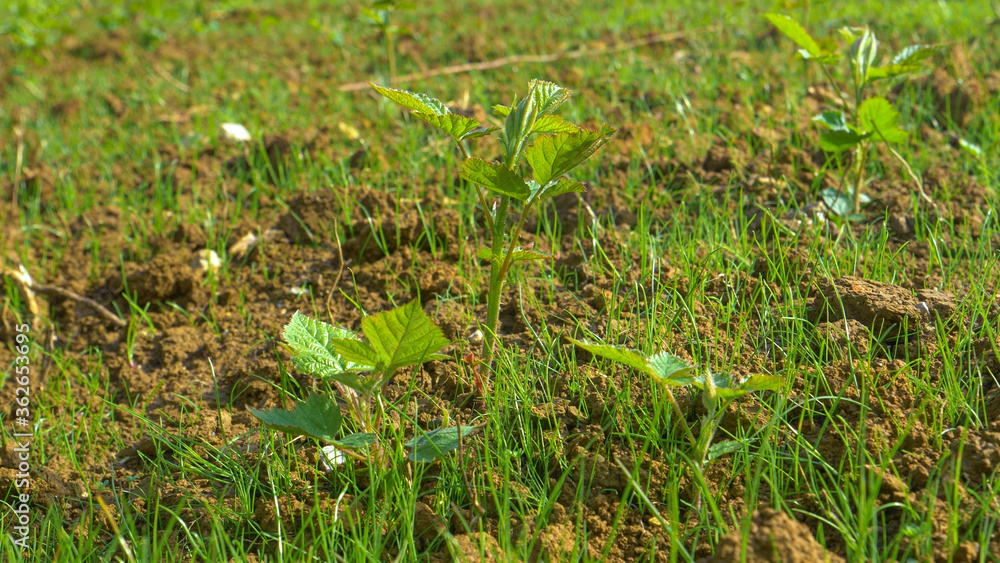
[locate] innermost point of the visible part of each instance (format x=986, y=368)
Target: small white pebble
x=330, y=457
x=235, y=133
x=207, y=261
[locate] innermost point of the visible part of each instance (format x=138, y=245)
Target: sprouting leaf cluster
x=360, y=368
x=533, y=134
x=864, y=120
x=718, y=390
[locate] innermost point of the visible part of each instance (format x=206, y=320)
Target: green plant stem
x=862, y=155
x=497, y=276
x=514, y=237
x=680, y=417
x=713, y=507
x=391, y=46
x=492, y=312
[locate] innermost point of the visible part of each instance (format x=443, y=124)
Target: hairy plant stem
x=498, y=273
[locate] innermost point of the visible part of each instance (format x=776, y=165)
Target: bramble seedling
x=871, y=119
x=380, y=15
x=360, y=369
x=718, y=390
x=559, y=146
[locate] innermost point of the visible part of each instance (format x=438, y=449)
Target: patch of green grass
x=678, y=280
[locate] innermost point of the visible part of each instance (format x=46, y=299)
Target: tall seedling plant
x=380, y=14
x=532, y=133
x=869, y=119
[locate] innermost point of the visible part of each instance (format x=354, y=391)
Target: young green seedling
x=531, y=133
x=380, y=14
x=360, y=369
x=871, y=119
x=717, y=392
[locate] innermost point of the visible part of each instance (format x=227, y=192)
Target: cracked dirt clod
x=846, y=336
x=884, y=309
x=774, y=536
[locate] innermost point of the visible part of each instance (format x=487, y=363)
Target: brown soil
x=222, y=357
x=773, y=537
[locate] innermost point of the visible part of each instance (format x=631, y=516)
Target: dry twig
x=521, y=59
x=29, y=288
x=101, y=310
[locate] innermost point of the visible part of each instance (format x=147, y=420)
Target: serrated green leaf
x=500, y=110
x=457, y=126
x=551, y=156
x=877, y=115
x=761, y=382
x=517, y=128
x=521, y=255
x=720, y=449
x=838, y=141
x=355, y=351
x=792, y=30
x=863, y=53
x=485, y=254
x=833, y=120
x=721, y=384
x=317, y=417
x=663, y=367
x=671, y=370
x=912, y=54
x=479, y=132
x=495, y=177
x=437, y=443
x=414, y=101
x=403, y=336
x=355, y=441
x=726, y=389
x=555, y=188
x=548, y=96
x=908, y=60
x=618, y=354
x=313, y=353
x=889, y=71
x=553, y=124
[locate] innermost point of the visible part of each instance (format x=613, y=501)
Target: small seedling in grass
x=558, y=147
x=868, y=120
x=380, y=15
x=360, y=369
x=718, y=391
